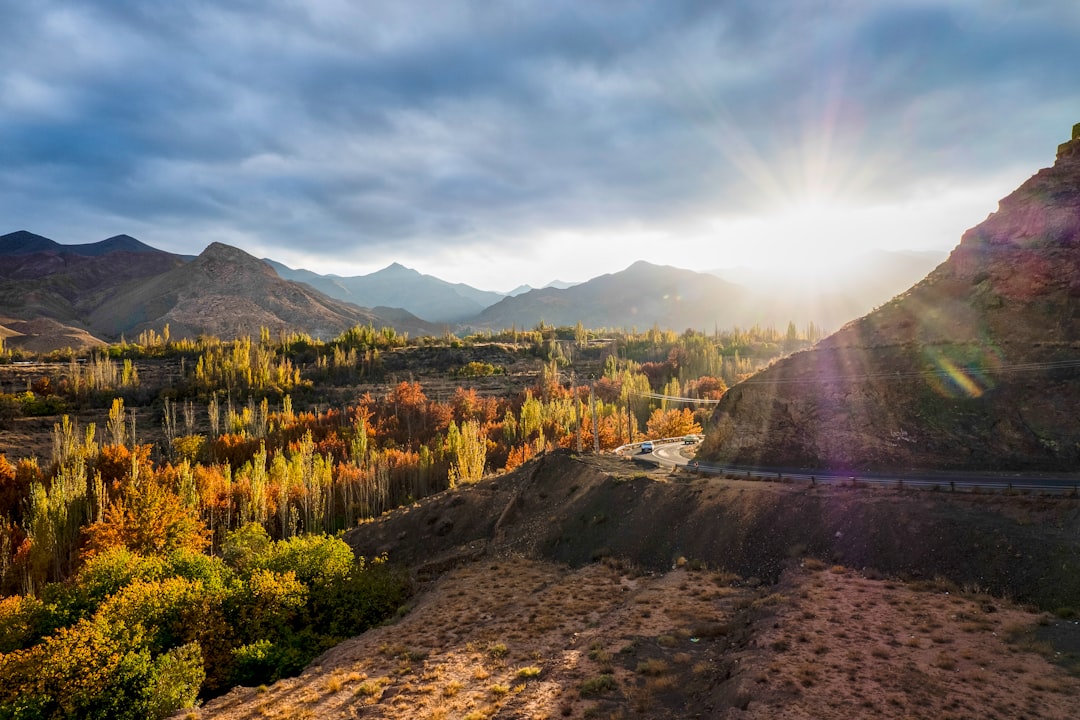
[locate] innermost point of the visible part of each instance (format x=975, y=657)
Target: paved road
x=671, y=455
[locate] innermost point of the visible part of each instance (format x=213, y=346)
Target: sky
x=501, y=142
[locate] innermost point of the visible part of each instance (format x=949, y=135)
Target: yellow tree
x=672, y=423
x=468, y=447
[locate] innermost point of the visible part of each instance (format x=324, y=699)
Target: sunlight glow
x=811, y=239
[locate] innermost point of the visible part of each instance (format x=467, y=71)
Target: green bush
x=599, y=685
x=140, y=637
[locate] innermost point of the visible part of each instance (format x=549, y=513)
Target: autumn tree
x=408, y=401
x=706, y=388
x=672, y=423
x=468, y=448
x=149, y=519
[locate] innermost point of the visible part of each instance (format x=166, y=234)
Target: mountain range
x=103, y=291
x=121, y=286
x=398, y=286
x=975, y=367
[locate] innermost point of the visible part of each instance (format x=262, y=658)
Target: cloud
x=369, y=129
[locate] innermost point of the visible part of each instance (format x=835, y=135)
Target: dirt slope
x=513, y=620
x=577, y=510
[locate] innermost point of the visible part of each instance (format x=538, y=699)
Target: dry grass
x=524, y=639
x=891, y=650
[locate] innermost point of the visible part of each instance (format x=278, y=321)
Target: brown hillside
x=575, y=511
x=976, y=367
x=44, y=335
x=67, y=287
x=681, y=616
x=228, y=293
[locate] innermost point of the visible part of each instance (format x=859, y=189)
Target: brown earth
x=588, y=587
x=44, y=335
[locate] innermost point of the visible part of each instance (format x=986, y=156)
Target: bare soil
x=588, y=587
x=522, y=638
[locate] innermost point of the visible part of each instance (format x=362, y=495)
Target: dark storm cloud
x=366, y=124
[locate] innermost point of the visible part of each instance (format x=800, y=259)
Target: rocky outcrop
x=976, y=367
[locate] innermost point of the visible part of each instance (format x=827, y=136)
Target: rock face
x=975, y=367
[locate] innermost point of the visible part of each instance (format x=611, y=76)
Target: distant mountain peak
x=124, y=243
x=220, y=249
x=22, y=235
x=23, y=242
x=398, y=270
x=219, y=259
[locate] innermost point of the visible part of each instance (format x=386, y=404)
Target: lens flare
x=969, y=377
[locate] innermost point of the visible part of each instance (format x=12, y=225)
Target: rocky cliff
x=976, y=367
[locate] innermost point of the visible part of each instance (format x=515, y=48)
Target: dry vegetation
x=521, y=638
x=517, y=638
x=844, y=645
x=499, y=632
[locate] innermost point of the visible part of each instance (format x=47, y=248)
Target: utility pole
x=595, y=423
x=577, y=412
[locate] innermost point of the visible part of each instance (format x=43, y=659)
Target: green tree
x=468, y=447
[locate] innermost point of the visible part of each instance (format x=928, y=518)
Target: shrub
x=599, y=685
x=652, y=667
x=20, y=619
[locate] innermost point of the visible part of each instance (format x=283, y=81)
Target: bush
x=599, y=685
x=315, y=559
x=135, y=636
x=20, y=620
x=10, y=409
x=479, y=369
x=175, y=681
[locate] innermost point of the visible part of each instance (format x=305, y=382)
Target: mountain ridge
x=642, y=295
x=100, y=291
x=426, y=296
x=23, y=242
x=227, y=292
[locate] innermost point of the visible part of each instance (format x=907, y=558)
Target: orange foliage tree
x=672, y=423
x=148, y=519
x=706, y=387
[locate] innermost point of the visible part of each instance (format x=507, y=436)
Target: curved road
x=669, y=454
